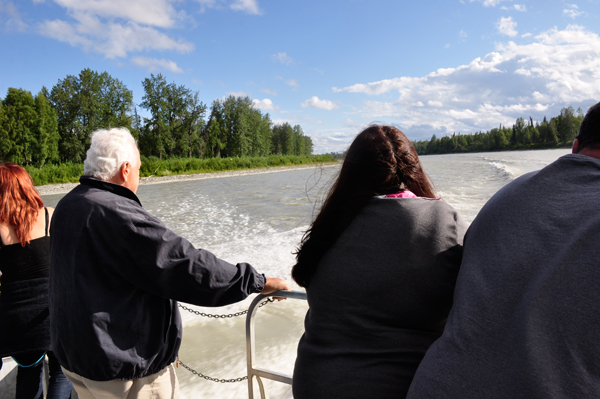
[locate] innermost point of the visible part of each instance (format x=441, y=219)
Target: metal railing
x=258, y=373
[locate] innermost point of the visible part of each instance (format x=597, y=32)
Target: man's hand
x=275, y=284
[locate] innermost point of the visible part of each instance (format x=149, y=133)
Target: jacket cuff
x=260, y=284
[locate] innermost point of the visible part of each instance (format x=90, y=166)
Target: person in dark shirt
x=393, y=250
x=25, y=265
x=524, y=323
x=116, y=275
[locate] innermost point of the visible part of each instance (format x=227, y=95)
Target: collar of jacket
x=106, y=186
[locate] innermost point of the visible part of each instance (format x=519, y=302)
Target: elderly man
x=525, y=321
x=116, y=274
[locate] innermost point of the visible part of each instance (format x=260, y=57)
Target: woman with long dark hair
x=24, y=263
x=379, y=264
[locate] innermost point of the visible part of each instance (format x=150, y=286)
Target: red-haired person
x=379, y=264
x=24, y=263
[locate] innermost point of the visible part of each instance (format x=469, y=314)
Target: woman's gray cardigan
x=380, y=297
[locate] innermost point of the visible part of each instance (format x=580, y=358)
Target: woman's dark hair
x=589, y=132
x=381, y=160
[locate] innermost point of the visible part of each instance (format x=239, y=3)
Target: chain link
x=221, y=380
x=223, y=316
x=218, y=316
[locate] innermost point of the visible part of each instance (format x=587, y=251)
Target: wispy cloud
x=315, y=102
x=263, y=105
x=238, y=94
x=560, y=67
x=506, y=26
x=572, y=11
x=11, y=18
x=489, y=3
x=293, y=83
x=283, y=58
x=249, y=6
x=153, y=64
x=115, y=28
x=515, y=7
x=206, y=4
x=268, y=91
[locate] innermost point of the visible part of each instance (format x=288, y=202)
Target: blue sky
x=331, y=66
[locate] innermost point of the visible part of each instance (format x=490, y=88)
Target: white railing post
x=251, y=348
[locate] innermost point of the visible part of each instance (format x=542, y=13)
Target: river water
x=260, y=219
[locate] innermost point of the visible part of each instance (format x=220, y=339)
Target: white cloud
x=506, y=26
x=516, y=7
x=489, y=3
x=572, y=11
x=159, y=13
x=238, y=94
x=281, y=121
x=559, y=67
x=111, y=39
x=463, y=35
x=11, y=18
x=268, y=91
x=292, y=82
x=205, y=4
x=115, y=28
x=263, y=105
x=315, y=102
x=153, y=64
x=249, y=6
x=283, y=58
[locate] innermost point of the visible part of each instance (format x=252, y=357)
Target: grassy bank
x=70, y=172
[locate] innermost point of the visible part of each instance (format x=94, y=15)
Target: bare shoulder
x=8, y=234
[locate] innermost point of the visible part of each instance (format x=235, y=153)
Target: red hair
x=19, y=202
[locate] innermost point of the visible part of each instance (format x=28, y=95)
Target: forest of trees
x=560, y=131
x=54, y=126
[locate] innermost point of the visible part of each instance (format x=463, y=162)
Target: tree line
x=560, y=131
x=54, y=126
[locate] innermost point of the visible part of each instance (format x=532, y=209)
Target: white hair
x=109, y=150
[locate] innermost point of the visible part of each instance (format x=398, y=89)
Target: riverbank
x=63, y=188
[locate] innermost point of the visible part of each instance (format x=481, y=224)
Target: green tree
x=567, y=125
x=19, y=124
x=177, y=117
x=46, y=132
x=193, y=122
x=85, y=103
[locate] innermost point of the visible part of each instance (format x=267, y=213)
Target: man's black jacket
x=116, y=273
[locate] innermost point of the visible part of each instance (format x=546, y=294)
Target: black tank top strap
x=47, y=216
x=1, y=243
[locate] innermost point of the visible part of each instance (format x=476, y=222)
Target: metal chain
x=223, y=316
x=224, y=381
x=218, y=316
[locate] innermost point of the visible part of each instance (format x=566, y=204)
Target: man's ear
x=125, y=171
x=575, y=149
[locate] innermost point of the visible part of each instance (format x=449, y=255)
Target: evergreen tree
x=46, y=132
x=20, y=119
